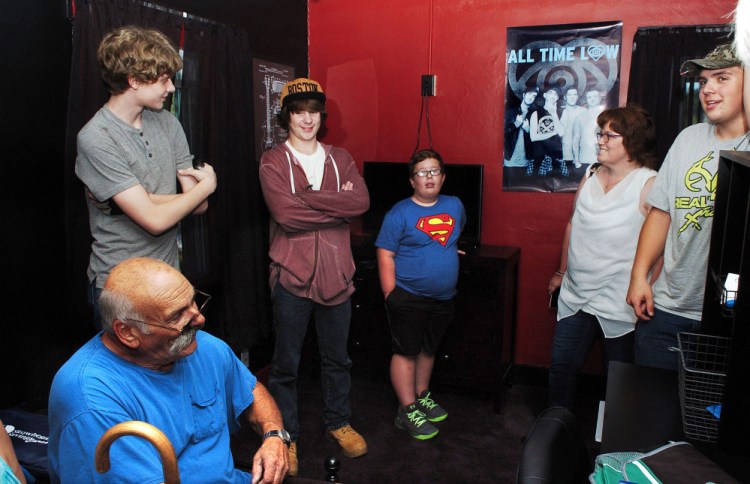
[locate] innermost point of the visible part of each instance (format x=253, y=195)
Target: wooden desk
x=477, y=350
x=642, y=412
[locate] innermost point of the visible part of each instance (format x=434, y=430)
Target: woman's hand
x=554, y=283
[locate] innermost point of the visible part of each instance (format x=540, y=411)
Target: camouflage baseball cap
x=719, y=58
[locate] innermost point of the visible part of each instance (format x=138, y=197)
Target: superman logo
x=438, y=227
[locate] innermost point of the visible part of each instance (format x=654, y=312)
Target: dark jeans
x=93, y=294
x=654, y=337
x=291, y=317
x=573, y=339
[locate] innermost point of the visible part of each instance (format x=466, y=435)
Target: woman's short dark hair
x=638, y=132
x=309, y=105
x=423, y=155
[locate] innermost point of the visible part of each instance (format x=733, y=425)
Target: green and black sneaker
x=411, y=419
x=432, y=411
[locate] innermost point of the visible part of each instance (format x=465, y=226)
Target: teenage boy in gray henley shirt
x=131, y=155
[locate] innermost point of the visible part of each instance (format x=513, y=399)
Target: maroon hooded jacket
x=310, y=244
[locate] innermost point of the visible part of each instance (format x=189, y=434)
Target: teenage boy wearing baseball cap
x=312, y=190
x=679, y=224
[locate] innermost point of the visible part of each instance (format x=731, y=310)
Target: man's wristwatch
x=282, y=434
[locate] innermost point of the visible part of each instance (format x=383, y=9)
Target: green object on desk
x=674, y=462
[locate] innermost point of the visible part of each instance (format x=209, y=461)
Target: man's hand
x=271, y=462
x=205, y=174
x=347, y=186
x=641, y=297
x=650, y=249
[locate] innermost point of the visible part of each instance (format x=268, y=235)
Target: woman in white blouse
x=599, y=247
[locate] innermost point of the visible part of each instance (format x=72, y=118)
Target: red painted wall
x=369, y=57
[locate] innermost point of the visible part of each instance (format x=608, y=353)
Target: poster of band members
x=559, y=78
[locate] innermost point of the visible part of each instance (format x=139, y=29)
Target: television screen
x=388, y=183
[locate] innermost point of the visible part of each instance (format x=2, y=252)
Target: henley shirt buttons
x=150, y=155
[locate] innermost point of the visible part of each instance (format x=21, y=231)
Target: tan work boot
x=293, y=464
x=351, y=442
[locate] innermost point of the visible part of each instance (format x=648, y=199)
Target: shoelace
x=417, y=417
x=428, y=402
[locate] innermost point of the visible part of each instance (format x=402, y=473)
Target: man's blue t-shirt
x=6, y=474
x=425, y=240
x=196, y=404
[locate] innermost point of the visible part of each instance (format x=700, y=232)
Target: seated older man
x=152, y=363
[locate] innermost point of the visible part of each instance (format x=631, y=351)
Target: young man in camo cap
x=679, y=224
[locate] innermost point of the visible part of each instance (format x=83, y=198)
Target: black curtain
x=655, y=81
x=222, y=250
x=216, y=113
x=36, y=41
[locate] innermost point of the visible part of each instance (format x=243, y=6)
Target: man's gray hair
x=114, y=305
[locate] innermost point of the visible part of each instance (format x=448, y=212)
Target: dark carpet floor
x=475, y=444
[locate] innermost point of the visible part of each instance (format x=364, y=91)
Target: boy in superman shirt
x=418, y=267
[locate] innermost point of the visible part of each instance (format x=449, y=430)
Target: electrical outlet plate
x=245, y=357
x=428, y=84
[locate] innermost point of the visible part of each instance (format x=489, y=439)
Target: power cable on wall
x=425, y=109
x=427, y=89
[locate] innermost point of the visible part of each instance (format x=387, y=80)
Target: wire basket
x=726, y=297
x=702, y=371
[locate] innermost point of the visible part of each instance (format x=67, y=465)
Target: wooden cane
x=145, y=431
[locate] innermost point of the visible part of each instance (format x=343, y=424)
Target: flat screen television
x=388, y=183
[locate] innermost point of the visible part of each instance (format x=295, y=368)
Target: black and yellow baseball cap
x=301, y=88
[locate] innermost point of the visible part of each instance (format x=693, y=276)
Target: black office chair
x=554, y=451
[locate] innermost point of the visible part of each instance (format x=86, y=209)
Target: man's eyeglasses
x=200, y=300
x=604, y=136
x=424, y=173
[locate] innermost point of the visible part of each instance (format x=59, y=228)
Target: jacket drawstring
x=336, y=169
x=291, y=172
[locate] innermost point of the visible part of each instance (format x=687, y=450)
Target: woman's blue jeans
x=573, y=339
x=291, y=317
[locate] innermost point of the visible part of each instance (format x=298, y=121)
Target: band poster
x=559, y=78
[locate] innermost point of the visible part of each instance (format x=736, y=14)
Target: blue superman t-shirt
x=425, y=240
